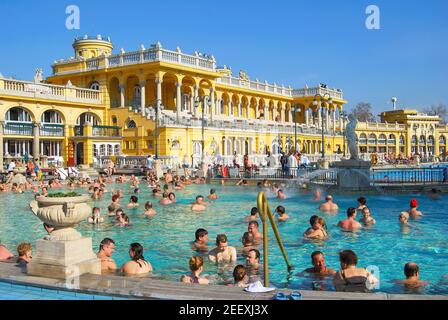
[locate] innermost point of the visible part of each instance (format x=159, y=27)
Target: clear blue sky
x=294, y=42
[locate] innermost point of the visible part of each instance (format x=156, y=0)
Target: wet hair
x=316, y=253
x=257, y=253
x=119, y=210
x=246, y=238
x=362, y=200
x=165, y=195
x=411, y=269
x=171, y=193
x=221, y=238
x=348, y=257
x=148, y=205
x=244, y=181
x=154, y=191
x=125, y=217
x=23, y=248
x=212, y=191
x=96, y=189
x=322, y=222
x=254, y=211
x=259, y=185
x=239, y=273
x=134, y=199
x=96, y=209
x=313, y=220
x=200, y=233
x=198, y=197
x=137, y=249
x=196, y=263
x=254, y=223
x=105, y=242
x=351, y=212
x=281, y=210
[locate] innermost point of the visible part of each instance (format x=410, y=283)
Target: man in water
x=213, y=195
x=107, y=247
x=319, y=268
x=281, y=194
x=199, y=204
x=281, y=211
x=412, y=273
x=253, y=215
x=201, y=240
x=253, y=230
x=165, y=199
x=350, y=224
x=329, y=205
x=413, y=212
x=223, y=253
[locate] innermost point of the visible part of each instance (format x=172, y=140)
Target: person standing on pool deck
x=413, y=212
x=350, y=224
x=328, y=205
x=107, y=248
x=223, y=253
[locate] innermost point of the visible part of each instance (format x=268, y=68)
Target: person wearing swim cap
x=413, y=212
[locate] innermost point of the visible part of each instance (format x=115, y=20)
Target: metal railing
x=79, y=131
x=408, y=176
x=18, y=128
x=106, y=131
x=52, y=130
x=259, y=173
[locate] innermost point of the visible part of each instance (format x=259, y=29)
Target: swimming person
x=253, y=260
x=252, y=228
x=413, y=212
x=319, y=267
x=328, y=205
x=24, y=251
x=281, y=194
x=412, y=273
x=223, y=253
x=199, y=204
x=213, y=195
x=133, y=203
x=367, y=219
x=350, y=224
x=351, y=278
x=248, y=243
x=165, y=199
x=196, y=267
x=240, y=277
x=317, y=230
x=253, y=215
x=107, y=248
x=201, y=240
x=362, y=203
x=137, y=264
x=123, y=220
x=149, y=211
x=172, y=197
x=282, y=216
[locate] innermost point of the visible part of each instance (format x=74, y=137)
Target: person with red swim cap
x=413, y=212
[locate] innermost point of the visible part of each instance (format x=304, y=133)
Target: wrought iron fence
x=409, y=176
x=19, y=128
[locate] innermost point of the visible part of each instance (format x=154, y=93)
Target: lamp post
x=316, y=103
x=156, y=131
x=196, y=105
x=295, y=109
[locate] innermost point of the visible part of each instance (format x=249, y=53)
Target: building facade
x=98, y=104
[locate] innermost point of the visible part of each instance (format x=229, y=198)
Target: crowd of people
x=349, y=278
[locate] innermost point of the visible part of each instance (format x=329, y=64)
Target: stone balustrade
x=49, y=91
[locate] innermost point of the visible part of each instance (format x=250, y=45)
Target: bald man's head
x=411, y=269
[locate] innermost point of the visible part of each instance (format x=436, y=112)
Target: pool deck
x=151, y=289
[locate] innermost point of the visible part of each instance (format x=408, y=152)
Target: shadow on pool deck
x=147, y=288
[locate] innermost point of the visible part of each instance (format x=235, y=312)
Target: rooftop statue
x=38, y=76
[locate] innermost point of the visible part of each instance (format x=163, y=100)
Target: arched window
x=51, y=116
x=95, y=86
x=114, y=120
x=136, y=96
x=363, y=138
x=392, y=139
x=431, y=140
x=402, y=140
x=87, y=117
x=422, y=140
x=442, y=140
x=414, y=140
x=372, y=138
x=131, y=124
x=18, y=114
x=382, y=139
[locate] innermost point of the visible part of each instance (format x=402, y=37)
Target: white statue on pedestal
x=352, y=138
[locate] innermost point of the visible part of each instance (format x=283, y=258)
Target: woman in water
x=196, y=267
x=133, y=202
x=96, y=216
x=240, y=276
x=317, y=231
x=137, y=264
x=123, y=220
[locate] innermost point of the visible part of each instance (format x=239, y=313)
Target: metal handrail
x=265, y=213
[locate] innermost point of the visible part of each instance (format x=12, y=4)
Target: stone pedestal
x=353, y=174
x=64, y=259
x=158, y=169
x=203, y=170
x=44, y=161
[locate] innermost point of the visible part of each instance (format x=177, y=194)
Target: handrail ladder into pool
x=265, y=212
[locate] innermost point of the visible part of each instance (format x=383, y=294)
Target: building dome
x=91, y=47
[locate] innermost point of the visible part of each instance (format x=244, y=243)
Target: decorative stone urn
x=65, y=253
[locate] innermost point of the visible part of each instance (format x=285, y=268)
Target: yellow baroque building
x=156, y=101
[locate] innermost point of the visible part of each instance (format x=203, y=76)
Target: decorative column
x=36, y=140
x=327, y=118
x=307, y=116
x=122, y=100
x=282, y=115
x=290, y=120
x=266, y=112
x=196, y=94
x=159, y=92
x=213, y=107
x=334, y=120
x=240, y=112
x=257, y=111
x=143, y=97
x=178, y=100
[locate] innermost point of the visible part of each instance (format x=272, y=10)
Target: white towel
x=258, y=287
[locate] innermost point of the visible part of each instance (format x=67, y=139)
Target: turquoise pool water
x=167, y=237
